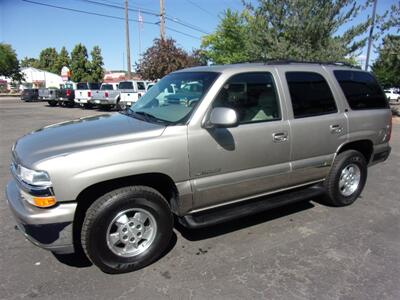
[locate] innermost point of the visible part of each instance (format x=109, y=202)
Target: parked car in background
x=65, y=95
x=84, y=93
x=393, y=94
x=30, y=95
x=150, y=85
x=108, y=96
x=48, y=94
x=131, y=91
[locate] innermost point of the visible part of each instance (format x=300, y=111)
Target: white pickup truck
x=131, y=91
x=84, y=92
x=392, y=94
x=108, y=96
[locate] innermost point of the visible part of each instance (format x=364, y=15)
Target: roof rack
x=293, y=61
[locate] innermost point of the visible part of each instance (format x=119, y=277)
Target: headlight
x=39, y=178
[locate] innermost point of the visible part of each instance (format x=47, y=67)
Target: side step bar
x=227, y=213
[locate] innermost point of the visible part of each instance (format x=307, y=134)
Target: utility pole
x=162, y=20
x=371, y=31
x=128, y=48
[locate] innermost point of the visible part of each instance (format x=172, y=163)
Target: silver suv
x=244, y=138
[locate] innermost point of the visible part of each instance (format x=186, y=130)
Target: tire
x=121, y=106
x=52, y=103
x=352, y=164
x=100, y=224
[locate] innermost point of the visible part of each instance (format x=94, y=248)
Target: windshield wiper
x=150, y=118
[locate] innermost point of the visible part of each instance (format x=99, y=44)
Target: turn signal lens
x=44, y=201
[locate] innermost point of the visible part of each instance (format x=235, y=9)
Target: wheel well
x=365, y=147
x=160, y=182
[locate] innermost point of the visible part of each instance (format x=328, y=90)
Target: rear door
x=318, y=124
x=231, y=164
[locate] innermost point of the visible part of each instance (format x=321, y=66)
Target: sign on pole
x=65, y=73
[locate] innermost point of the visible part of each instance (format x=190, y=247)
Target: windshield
x=106, y=87
x=174, y=97
x=126, y=85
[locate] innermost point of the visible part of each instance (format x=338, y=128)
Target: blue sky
x=29, y=28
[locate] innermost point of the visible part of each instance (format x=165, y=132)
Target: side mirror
x=223, y=117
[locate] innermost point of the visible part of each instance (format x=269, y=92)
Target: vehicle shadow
x=234, y=225
x=80, y=260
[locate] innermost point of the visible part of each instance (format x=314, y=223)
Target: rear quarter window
x=361, y=90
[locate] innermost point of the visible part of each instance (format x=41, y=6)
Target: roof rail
x=293, y=61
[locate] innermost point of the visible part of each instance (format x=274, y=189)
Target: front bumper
x=48, y=228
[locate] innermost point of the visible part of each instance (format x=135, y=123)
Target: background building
x=35, y=78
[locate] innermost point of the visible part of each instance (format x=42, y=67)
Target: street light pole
x=128, y=49
x=371, y=31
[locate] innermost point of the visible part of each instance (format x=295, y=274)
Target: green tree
x=229, y=43
x=96, y=65
x=28, y=62
x=62, y=60
x=48, y=60
x=293, y=29
x=391, y=20
x=9, y=65
x=164, y=57
x=387, y=67
x=80, y=66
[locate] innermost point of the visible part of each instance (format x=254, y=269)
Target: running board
x=230, y=212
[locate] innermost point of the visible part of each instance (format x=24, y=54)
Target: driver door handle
x=279, y=137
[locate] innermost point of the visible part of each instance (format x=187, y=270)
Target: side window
x=310, y=94
x=361, y=90
x=252, y=96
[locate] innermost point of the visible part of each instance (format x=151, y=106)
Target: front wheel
x=346, y=179
x=127, y=229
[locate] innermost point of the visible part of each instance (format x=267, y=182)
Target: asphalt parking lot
x=302, y=251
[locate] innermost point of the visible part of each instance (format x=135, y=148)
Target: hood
x=95, y=131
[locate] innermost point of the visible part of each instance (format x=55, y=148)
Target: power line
x=148, y=12
x=105, y=16
x=201, y=8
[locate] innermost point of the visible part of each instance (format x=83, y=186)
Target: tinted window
x=310, y=94
x=126, y=85
x=252, y=96
x=141, y=85
x=107, y=87
x=94, y=86
x=361, y=90
x=82, y=86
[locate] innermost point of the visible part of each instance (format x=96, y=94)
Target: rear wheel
x=346, y=179
x=121, y=105
x=127, y=229
x=52, y=102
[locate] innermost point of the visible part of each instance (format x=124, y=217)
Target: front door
x=232, y=164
